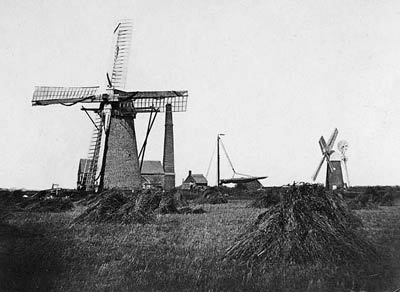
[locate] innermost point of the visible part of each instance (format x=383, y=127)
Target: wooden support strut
x=86, y=112
x=149, y=127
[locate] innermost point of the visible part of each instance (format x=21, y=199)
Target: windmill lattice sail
x=121, y=48
x=94, y=154
x=143, y=101
x=44, y=95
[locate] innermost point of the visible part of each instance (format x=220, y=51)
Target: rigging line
x=147, y=133
x=209, y=164
x=227, y=156
x=149, y=127
x=78, y=101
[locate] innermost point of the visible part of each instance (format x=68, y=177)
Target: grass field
x=44, y=252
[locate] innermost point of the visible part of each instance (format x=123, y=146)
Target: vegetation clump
x=266, y=200
x=370, y=198
x=51, y=204
x=308, y=227
x=115, y=206
x=212, y=195
x=127, y=207
x=42, y=201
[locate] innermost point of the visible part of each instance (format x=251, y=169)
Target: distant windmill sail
x=326, y=149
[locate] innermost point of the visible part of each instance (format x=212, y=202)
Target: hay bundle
x=105, y=209
x=308, y=226
x=52, y=204
x=167, y=205
x=148, y=200
x=170, y=202
x=212, y=196
x=11, y=198
x=116, y=206
x=126, y=207
x=267, y=200
x=131, y=213
x=179, y=199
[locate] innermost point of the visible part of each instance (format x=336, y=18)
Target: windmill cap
x=335, y=156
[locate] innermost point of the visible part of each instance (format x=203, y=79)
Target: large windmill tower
x=114, y=160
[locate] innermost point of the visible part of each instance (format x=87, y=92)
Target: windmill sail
x=44, y=95
x=94, y=154
x=314, y=177
x=332, y=139
x=147, y=100
x=121, y=48
x=326, y=149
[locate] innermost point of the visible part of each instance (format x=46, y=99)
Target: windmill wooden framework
x=113, y=154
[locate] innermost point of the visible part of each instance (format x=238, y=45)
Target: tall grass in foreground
x=176, y=253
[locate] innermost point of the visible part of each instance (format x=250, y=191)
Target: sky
x=273, y=76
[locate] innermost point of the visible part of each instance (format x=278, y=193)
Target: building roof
x=84, y=165
x=199, y=179
x=152, y=167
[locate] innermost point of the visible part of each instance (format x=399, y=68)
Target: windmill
x=334, y=176
x=113, y=155
x=343, y=146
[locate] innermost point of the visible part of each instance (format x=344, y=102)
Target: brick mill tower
x=121, y=164
x=115, y=161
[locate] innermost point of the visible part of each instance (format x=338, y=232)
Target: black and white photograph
x=212, y=145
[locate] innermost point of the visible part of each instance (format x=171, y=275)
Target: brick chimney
x=168, y=160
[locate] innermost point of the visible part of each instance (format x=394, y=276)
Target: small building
x=83, y=173
x=194, y=180
x=152, y=174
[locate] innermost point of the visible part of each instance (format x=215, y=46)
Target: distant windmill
x=343, y=146
x=334, y=176
x=113, y=158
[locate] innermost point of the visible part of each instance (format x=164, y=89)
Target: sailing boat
x=243, y=179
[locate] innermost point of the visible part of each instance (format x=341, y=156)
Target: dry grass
x=177, y=252
x=312, y=231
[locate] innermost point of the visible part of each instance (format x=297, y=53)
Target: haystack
x=116, y=206
x=266, y=200
x=125, y=207
x=171, y=202
x=212, y=196
x=105, y=209
x=52, y=204
x=308, y=226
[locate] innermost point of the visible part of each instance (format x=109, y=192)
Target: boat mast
x=218, y=170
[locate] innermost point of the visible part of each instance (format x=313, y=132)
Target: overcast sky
x=272, y=75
